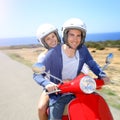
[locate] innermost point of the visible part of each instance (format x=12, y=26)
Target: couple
x=64, y=60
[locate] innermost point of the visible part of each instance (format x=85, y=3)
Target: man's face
x=74, y=38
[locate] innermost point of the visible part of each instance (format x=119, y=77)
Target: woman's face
x=51, y=40
x=74, y=38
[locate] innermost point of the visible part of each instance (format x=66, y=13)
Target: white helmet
x=43, y=31
x=74, y=23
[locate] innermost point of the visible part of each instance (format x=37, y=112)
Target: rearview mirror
x=39, y=68
x=109, y=58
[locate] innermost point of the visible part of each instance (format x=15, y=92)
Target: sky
x=21, y=18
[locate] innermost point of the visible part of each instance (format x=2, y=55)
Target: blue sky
x=21, y=18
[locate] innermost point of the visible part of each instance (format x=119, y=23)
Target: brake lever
x=48, y=93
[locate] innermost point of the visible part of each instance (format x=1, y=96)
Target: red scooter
x=88, y=105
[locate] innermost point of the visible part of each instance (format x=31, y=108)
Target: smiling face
x=74, y=38
x=51, y=40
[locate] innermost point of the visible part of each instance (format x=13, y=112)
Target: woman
x=48, y=37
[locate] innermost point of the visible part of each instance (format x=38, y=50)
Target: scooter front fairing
x=89, y=107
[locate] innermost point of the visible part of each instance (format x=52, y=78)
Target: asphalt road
x=19, y=94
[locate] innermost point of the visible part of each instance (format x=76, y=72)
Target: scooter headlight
x=87, y=84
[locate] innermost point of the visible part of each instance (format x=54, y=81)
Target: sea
x=95, y=37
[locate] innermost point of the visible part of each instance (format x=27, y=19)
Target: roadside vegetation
x=19, y=58
x=101, y=45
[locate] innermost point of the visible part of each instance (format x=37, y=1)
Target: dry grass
x=30, y=55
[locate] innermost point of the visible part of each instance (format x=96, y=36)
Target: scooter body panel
x=89, y=107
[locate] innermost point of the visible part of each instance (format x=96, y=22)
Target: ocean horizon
x=32, y=40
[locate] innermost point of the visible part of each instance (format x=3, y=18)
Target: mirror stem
x=54, y=77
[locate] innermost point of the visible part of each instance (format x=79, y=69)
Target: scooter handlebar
x=82, y=84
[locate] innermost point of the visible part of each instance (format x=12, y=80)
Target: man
x=65, y=62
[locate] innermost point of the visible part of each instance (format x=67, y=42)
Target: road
x=19, y=94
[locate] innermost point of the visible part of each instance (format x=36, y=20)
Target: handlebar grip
x=99, y=83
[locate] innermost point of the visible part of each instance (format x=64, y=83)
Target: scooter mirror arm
x=54, y=77
x=105, y=66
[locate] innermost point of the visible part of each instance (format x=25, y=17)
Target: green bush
x=100, y=45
